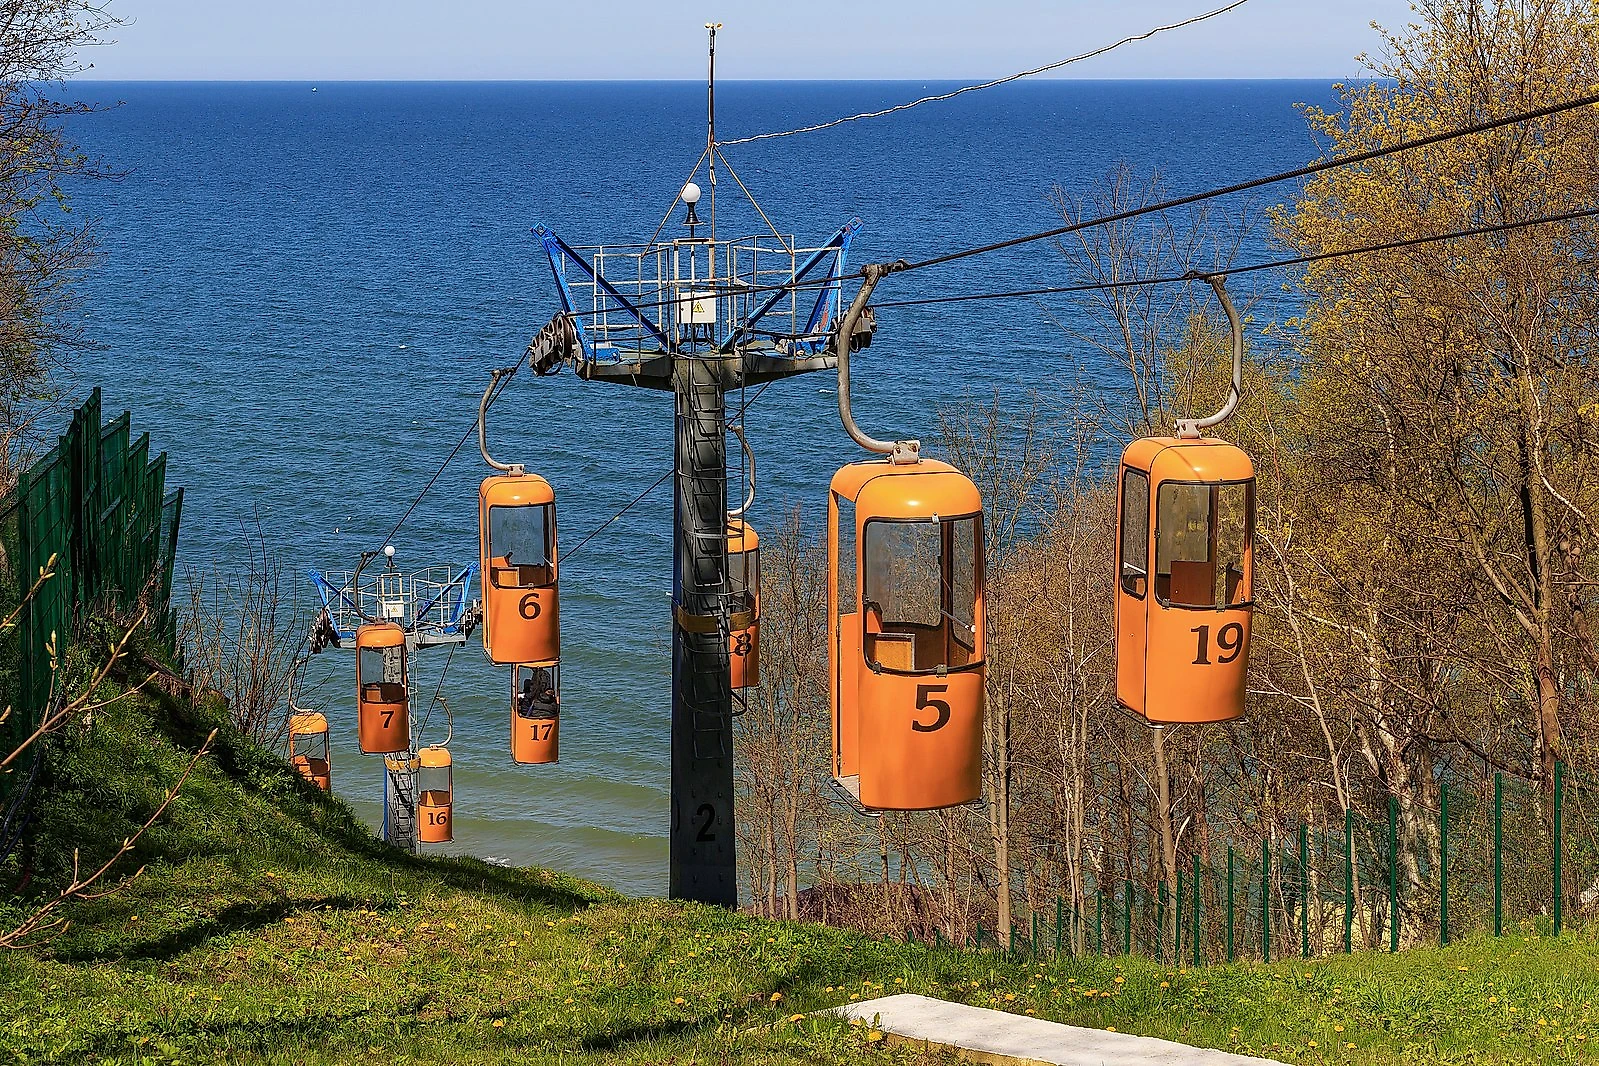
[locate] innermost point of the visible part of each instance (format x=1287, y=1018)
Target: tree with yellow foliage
x=1449, y=390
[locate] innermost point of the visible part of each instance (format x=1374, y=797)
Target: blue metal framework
x=748, y=293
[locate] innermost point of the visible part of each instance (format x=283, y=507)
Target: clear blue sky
x=606, y=39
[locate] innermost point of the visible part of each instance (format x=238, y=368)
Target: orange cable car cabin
x=309, y=751
x=535, y=713
x=744, y=584
x=906, y=633
x=382, y=700
x=1184, y=579
x=516, y=533
x=435, y=796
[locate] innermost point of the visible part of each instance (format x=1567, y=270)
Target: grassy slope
x=269, y=927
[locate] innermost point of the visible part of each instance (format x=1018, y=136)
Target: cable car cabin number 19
x=1182, y=624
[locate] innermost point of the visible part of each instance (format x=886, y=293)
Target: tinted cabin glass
x=1135, y=531
x=744, y=578
x=382, y=673
x=311, y=745
x=965, y=539
x=435, y=782
x=1202, y=532
x=920, y=587
x=519, y=545
x=1235, y=533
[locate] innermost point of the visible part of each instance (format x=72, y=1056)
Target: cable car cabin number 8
x=1182, y=644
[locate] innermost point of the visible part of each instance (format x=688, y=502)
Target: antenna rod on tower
x=710, y=130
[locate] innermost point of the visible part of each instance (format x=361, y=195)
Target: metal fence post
x=1443, y=863
x=1499, y=854
x=1393, y=873
x=1232, y=955
x=1304, y=891
x=1197, y=893
x=1560, y=793
x=1177, y=922
x=1265, y=899
x=1127, y=918
x=1161, y=899
x=1349, y=880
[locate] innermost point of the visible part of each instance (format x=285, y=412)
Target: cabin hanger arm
x=1192, y=428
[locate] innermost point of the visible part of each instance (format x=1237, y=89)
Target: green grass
x=270, y=928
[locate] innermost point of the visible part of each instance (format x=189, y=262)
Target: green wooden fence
x=96, y=504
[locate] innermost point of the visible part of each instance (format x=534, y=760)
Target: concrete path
x=993, y=1036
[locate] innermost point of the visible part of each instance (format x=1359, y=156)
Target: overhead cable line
x=1386, y=246
x=1255, y=183
x=988, y=84
x=448, y=459
x=1166, y=205
x=635, y=501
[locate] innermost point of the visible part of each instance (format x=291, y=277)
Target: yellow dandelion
x=796, y=1017
x=1110, y=1028
x=569, y=999
x=1349, y=1047
x=499, y=1023
x=1338, y=1028
x=1121, y=980
x=1009, y=996
x=1312, y=1044
x=1165, y=984
x=777, y=997
x=679, y=1001
x=899, y=980
x=874, y=1036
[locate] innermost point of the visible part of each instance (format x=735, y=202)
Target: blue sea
x=302, y=289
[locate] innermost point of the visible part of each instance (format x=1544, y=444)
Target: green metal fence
x=94, y=512
x=1488, y=855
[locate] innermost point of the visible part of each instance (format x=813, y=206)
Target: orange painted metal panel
x=535, y=714
x=521, y=603
x=907, y=695
x=1182, y=640
x=383, y=724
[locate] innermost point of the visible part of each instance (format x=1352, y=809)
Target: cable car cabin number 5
x=905, y=591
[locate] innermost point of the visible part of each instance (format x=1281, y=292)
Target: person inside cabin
x=538, y=697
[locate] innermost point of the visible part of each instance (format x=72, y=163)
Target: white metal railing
x=430, y=601
x=704, y=289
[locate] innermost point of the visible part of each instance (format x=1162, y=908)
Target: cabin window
x=381, y=673
x=1203, y=535
x=920, y=587
x=522, y=545
x=1135, y=532
x=744, y=578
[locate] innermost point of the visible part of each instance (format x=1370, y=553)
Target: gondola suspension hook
x=1193, y=428
x=749, y=465
x=514, y=469
x=845, y=341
